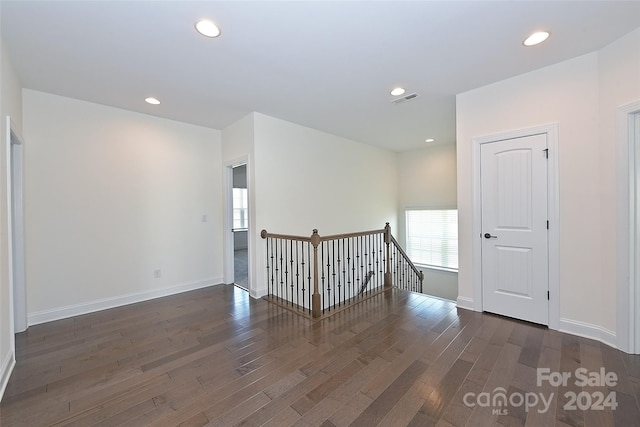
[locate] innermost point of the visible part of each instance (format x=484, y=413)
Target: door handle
x=489, y=236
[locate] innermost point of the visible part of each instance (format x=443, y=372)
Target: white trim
x=15, y=229
x=628, y=276
x=12, y=329
x=8, y=364
x=227, y=221
x=112, y=302
x=228, y=267
x=551, y=130
x=588, y=330
x=433, y=296
x=466, y=303
x=436, y=268
x=431, y=208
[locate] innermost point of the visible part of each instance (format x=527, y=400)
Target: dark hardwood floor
x=216, y=357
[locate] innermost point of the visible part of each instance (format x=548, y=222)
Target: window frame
x=244, y=217
x=407, y=238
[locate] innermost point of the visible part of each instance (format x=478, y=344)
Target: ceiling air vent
x=405, y=98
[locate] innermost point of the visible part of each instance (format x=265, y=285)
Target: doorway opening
x=240, y=227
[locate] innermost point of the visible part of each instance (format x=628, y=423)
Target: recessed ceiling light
x=535, y=38
x=429, y=140
x=398, y=91
x=151, y=100
x=207, y=28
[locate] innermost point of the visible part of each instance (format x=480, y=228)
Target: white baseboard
x=5, y=371
x=258, y=293
x=573, y=327
x=106, y=303
x=588, y=330
x=466, y=303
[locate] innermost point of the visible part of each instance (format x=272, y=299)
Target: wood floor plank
x=287, y=417
x=499, y=378
x=349, y=412
x=217, y=357
x=377, y=410
x=339, y=396
x=570, y=361
x=425, y=392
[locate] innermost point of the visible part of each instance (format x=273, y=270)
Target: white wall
x=619, y=82
x=306, y=179
x=309, y=179
x=580, y=95
x=110, y=197
x=427, y=179
x=440, y=283
x=10, y=104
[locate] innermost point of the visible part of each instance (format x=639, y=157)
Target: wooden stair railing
x=320, y=275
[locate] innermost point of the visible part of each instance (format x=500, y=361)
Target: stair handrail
x=315, y=239
x=406, y=257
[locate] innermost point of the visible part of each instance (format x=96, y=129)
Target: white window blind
x=240, y=209
x=432, y=237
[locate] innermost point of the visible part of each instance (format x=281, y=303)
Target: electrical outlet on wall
x=157, y=273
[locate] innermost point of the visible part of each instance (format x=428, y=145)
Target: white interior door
x=515, y=261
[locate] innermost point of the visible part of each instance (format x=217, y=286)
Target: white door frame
x=15, y=229
x=551, y=130
x=228, y=222
x=628, y=230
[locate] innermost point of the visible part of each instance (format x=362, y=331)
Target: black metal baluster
x=381, y=258
x=325, y=262
x=374, y=262
x=363, y=265
x=309, y=262
x=348, y=271
x=310, y=286
x=341, y=270
x=324, y=286
x=302, y=264
x=278, y=265
x=398, y=267
x=333, y=272
x=285, y=271
x=368, y=264
x=297, y=273
x=376, y=242
x=404, y=271
x=269, y=286
x=356, y=265
x=293, y=298
x=354, y=251
x=363, y=261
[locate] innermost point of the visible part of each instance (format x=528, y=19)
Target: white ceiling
x=325, y=65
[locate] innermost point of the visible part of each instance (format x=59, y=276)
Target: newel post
x=316, y=310
x=387, y=241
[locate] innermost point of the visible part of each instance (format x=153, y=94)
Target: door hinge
x=547, y=224
x=546, y=153
x=548, y=295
